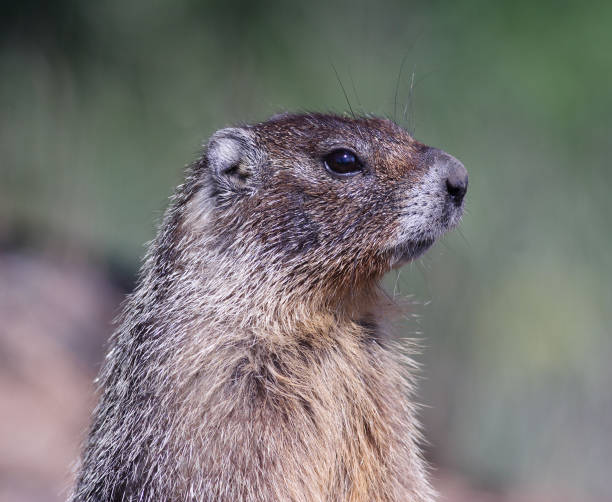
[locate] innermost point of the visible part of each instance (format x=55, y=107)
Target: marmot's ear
x=230, y=155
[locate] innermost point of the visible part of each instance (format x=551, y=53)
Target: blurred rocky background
x=103, y=103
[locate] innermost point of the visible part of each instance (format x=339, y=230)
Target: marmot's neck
x=206, y=284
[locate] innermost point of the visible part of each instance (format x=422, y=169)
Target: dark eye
x=342, y=162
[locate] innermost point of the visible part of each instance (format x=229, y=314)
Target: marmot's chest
x=337, y=424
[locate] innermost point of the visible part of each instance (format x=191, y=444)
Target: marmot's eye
x=342, y=162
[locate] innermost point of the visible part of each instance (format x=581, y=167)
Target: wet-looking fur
x=251, y=363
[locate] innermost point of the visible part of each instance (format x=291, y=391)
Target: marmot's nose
x=456, y=176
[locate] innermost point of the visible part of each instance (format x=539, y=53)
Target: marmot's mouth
x=410, y=250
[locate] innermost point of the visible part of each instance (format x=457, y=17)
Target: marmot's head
x=330, y=200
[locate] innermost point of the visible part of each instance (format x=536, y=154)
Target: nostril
x=456, y=183
x=453, y=174
x=455, y=188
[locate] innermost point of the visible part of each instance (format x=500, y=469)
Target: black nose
x=456, y=177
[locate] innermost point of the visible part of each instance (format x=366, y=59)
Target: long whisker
x=343, y=90
x=399, y=78
x=354, y=89
x=408, y=109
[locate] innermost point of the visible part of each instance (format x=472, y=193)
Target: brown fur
x=252, y=362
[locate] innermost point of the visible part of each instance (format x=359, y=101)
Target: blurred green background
x=103, y=103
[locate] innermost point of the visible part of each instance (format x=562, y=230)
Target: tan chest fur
x=317, y=416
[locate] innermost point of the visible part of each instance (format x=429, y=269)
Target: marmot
x=251, y=362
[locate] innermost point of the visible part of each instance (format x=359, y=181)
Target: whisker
x=354, y=89
x=399, y=78
x=464, y=238
x=343, y=90
x=409, y=105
